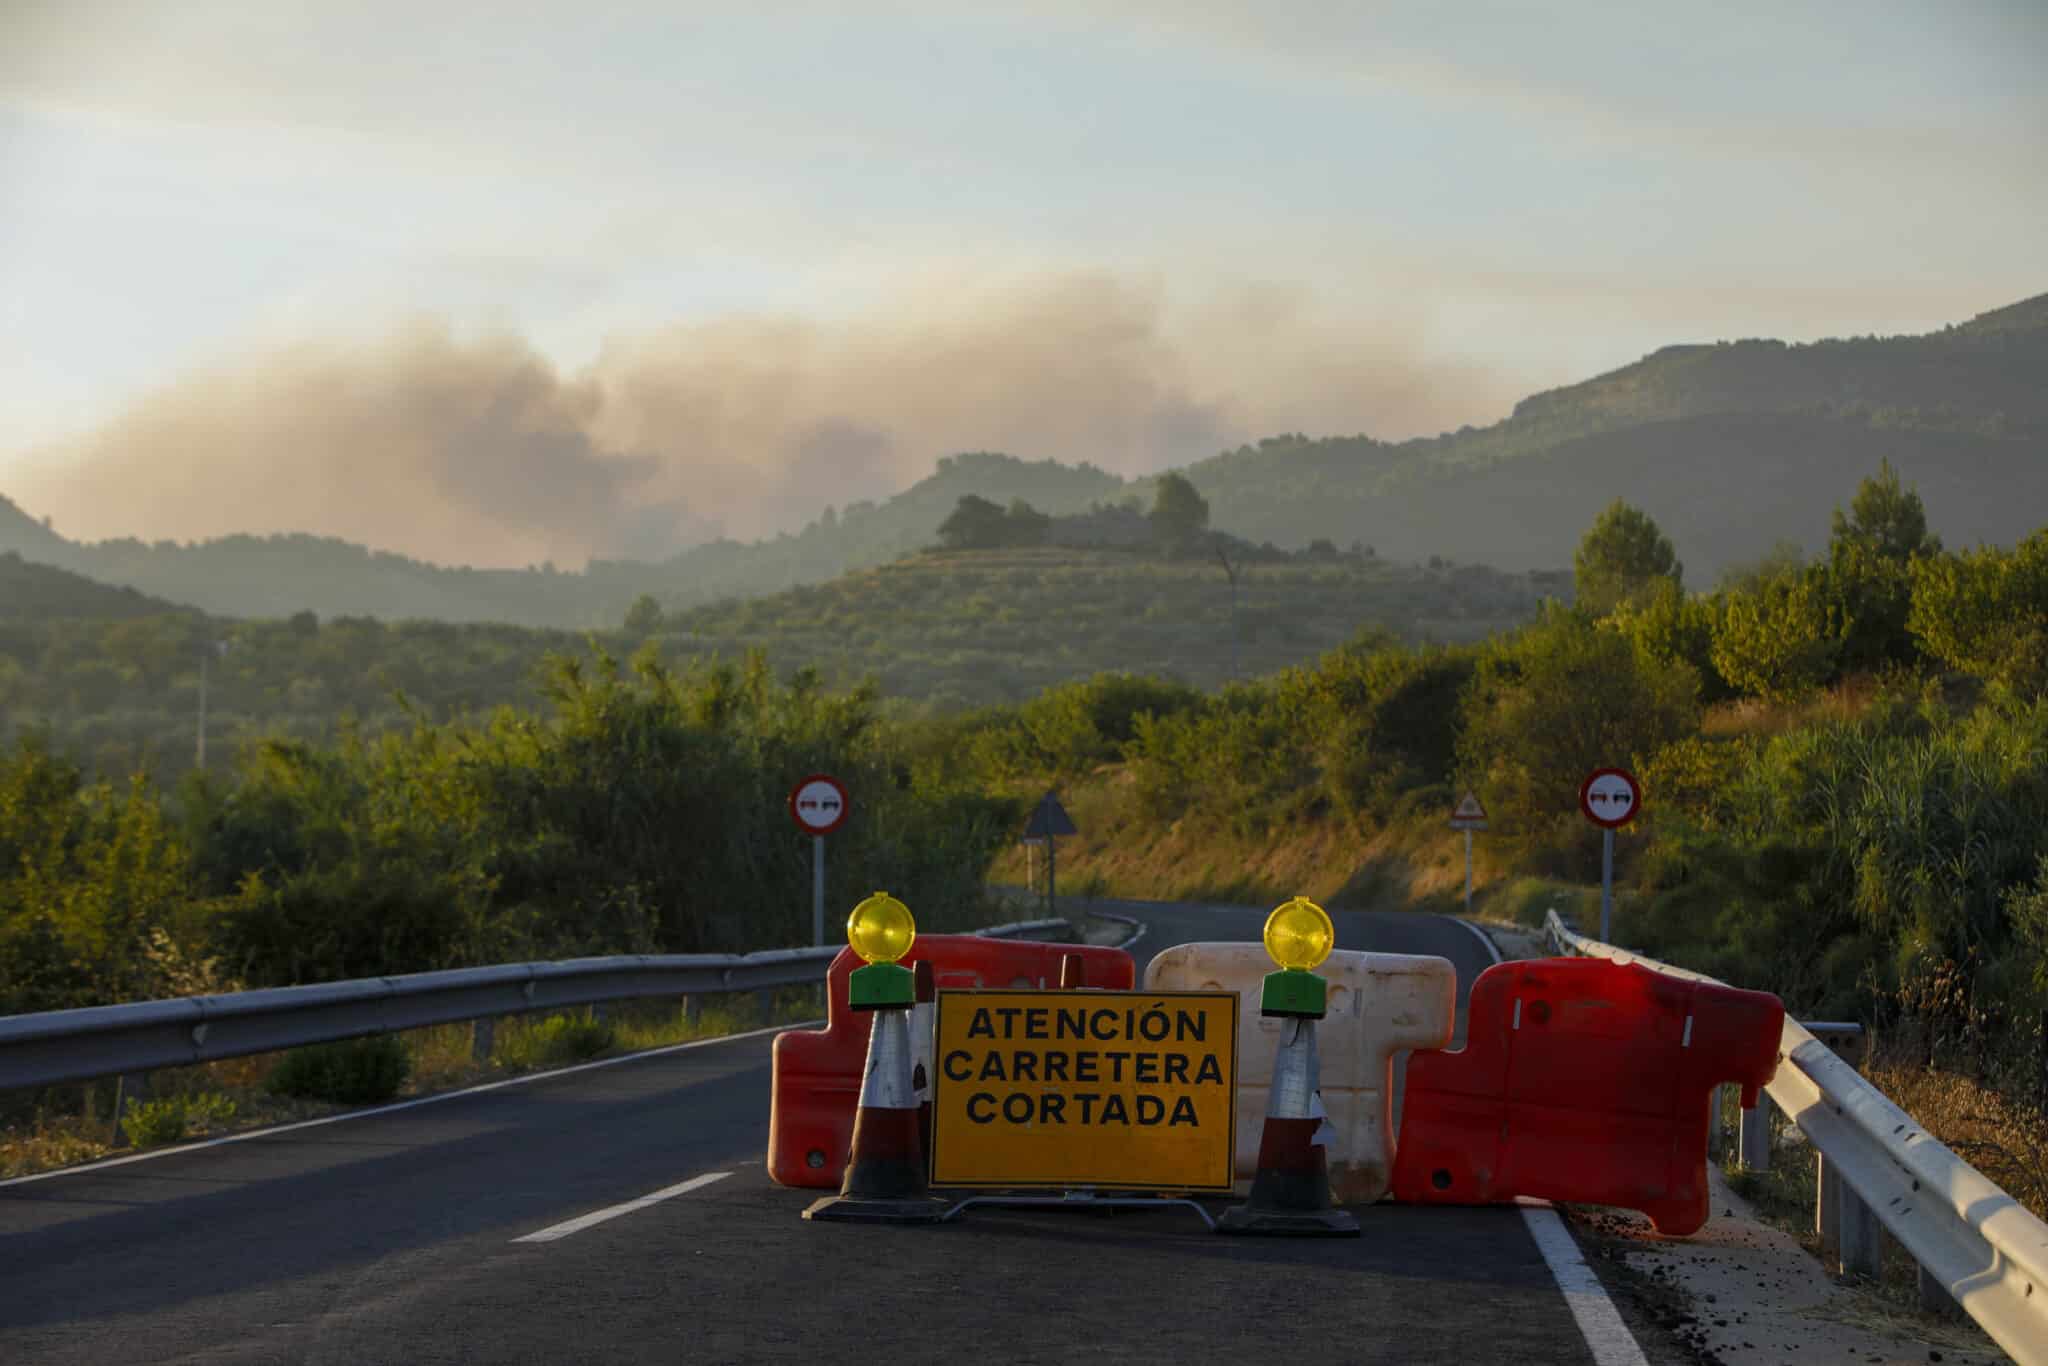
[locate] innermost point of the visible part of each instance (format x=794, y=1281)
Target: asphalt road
x=397, y=1237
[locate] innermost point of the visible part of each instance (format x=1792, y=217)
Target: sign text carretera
x=1085, y=1088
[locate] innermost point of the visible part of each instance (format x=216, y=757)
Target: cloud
x=482, y=451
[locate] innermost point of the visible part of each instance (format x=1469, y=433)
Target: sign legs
x=818, y=890
x=1606, y=886
x=1050, y=844
x=1468, y=872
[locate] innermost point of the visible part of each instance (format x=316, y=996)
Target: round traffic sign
x=818, y=804
x=1610, y=797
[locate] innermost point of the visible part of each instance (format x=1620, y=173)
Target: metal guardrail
x=101, y=1041
x=1973, y=1241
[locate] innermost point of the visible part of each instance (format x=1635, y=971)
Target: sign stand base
x=1332, y=1223
x=1080, y=1200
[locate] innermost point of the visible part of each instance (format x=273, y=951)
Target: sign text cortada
x=1128, y=1090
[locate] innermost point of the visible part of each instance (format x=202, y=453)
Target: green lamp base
x=881, y=986
x=1294, y=992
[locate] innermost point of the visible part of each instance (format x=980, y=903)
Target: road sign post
x=1606, y=886
x=1610, y=798
x=1049, y=820
x=819, y=806
x=1469, y=815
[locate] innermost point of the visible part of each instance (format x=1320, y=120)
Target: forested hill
x=37, y=592
x=871, y=533
x=276, y=576
x=1733, y=447
x=946, y=630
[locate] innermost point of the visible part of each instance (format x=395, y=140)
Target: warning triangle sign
x=1470, y=814
x=1049, y=819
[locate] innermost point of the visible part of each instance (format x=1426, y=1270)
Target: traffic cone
x=1291, y=1191
x=885, y=1174
x=924, y=1016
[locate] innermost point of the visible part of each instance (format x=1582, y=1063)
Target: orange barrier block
x=1583, y=1080
x=817, y=1072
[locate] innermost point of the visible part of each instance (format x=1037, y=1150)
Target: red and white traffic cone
x=1291, y=1191
x=885, y=1180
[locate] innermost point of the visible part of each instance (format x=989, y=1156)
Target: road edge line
x=1492, y=949
x=1600, y=1323
x=524, y=1078
x=556, y=1232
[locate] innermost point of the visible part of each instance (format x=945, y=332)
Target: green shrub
x=150, y=1124
x=1380, y=720
x=559, y=1039
x=1783, y=640
x=156, y=1122
x=1548, y=705
x=1985, y=612
x=352, y=1072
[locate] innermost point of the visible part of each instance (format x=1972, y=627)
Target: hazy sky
x=497, y=281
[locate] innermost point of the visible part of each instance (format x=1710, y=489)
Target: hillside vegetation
x=965, y=628
x=1733, y=447
x=638, y=811
x=938, y=631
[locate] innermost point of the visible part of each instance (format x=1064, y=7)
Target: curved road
x=408, y=1235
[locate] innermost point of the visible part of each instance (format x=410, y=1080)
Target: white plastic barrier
x=1379, y=1004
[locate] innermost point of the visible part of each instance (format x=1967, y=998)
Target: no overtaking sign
x=818, y=804
x=1610, y=797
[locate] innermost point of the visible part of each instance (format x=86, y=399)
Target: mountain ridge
x=1962, y=411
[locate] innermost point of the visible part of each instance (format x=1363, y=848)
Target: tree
x=1869, y=574
x=1623, y=552
x=1782, y=639
x=974, y=524
x=1178, y=512
x=1024, y=524
x=1556, y=700
x=1886, y=518
x=1671, y=626
x=643, y=618
x=978, y=524
x=1985, y=612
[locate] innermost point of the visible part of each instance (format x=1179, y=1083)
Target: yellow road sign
x=1125, y=1090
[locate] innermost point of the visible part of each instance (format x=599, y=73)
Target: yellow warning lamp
x=881, y=932
x=1299, y=936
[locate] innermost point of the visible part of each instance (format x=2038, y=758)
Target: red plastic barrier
x=817, y=1072
x=1583, y=1080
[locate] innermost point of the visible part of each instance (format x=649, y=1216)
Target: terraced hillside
x=987, y=626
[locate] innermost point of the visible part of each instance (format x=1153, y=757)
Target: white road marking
x=1492, y=951
x=155, y=1153
x=577, y=1225
x=1599, y=1321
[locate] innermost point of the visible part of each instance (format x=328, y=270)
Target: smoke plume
x=481, y=451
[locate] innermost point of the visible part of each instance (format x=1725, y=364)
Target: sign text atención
x=1130, y=1090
